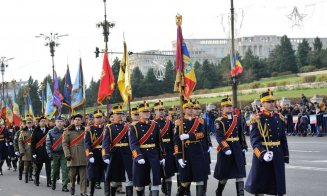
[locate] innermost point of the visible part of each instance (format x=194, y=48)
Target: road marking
x=307, y=142
x=306, y=168
x=315, y=161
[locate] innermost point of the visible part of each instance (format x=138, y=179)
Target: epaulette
x=133, y=123
x=281, y=116
x=219, y=118
x=177, y=122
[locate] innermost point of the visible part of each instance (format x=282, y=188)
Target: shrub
x=309, y=79
x=321, y=79
x=308, y=68
x=255, y=85
x=285, y=73
x=271, y=84
x=274, y=74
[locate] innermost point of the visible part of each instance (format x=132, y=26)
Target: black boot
x=199, y=190
x=188, y=190
x=113, y=191
x=155, y=193
x=163, y=186
x=129, y=190
x=180, y=191
x=106, y=188
x=49, y=183
x=178, y=180
x=140, y=193
x=37, y=180
x=26, y=178
x=20, y=175
x=240, y=188
x=53, y=185
x=72, y=190
x=168, y=188
x=219, y=191
x=92, y=188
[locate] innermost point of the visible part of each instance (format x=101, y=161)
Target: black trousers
x=47, y=169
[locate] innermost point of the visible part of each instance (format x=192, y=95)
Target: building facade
x=213, y=50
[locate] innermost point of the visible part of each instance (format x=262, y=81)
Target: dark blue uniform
x=268, y=177
x=120, y=155
x=95, y=171
x=3, y=143
x=168, y=144
x=230, y=166
x=193, y=151
x=151, y=151
x=206, y=144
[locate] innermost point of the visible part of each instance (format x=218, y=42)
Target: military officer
x=167, y=134
x=90, y=119
x=269, y=143
x=56, y=154
x=73, y=145
x=147, y=152
x=206, y=141
x=135, y=115
x=24, y=142
x=16, y=148
x=93, y=146
x=190, y=157
x=39, y=153
x=4, y=135
x=230, y=158
x=117, y=152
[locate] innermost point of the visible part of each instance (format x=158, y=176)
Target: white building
x=213, y=50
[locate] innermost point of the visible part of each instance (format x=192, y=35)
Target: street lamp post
x=105, y=26
x=4, y=65
x=51, y=41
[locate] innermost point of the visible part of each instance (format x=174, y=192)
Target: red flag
x=107, y=80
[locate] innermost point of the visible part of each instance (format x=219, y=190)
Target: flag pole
x=181, y=89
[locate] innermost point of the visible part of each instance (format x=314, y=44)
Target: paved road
x=306, y=175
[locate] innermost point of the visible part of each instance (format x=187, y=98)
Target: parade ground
x=306, y=175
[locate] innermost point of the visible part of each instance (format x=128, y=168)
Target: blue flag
x=78, y=92
x=67, y=90
x=30, y=109
x=56, y=93
x=50, y=110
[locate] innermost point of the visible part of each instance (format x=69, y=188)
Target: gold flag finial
x=178, y=20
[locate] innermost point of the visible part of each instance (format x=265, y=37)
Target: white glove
x=34, y=156
x=181, y=163
x=107, y=161
x=162, y=162
x=141, y=161
x=268, y=156
x=91, y=160
x=210, y=149
x=10, y=143
x=6, y=144
x=244, y=150
x=228, y=152
x=184, y=136
x=17, y=153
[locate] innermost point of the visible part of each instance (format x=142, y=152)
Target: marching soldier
x=73, y=145
x=24, y=143
x=117, y=152
x=90, y=120
x=206, y=141
x=192, y=159
x=16, y=148
x=269, y=143
x=167, y=135
x=3, y=143
x=232, y=146
x=135, y=115
x=39, y=153
x=56, y=154
x=93, y=146
x=147, y=152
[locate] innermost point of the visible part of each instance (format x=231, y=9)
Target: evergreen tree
x=137, y=81
x=209, y=75
x=198, y=73
x=317, y=57
x=282, y=58
x=302, y=53
x=317, y=44
x=151, y=84
x=35, y=97
x=170, y=76
x=91, y=93
x=115, y=97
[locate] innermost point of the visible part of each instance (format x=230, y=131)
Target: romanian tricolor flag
x=185, y=74
x=236, y=66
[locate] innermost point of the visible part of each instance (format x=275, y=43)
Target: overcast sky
x=147, y=24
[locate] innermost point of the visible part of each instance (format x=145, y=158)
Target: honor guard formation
x=149, y=148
